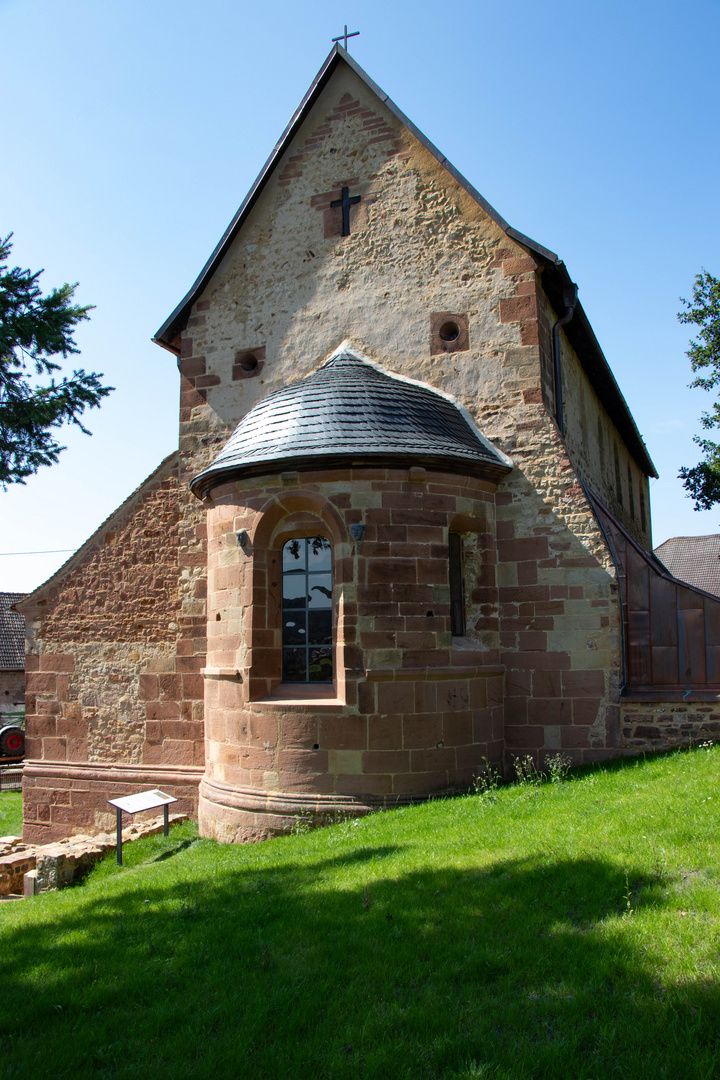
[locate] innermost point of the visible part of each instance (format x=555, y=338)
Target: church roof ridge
x=350, y=409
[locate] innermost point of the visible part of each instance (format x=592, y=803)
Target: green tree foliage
x=702, y=482
x=34, y=400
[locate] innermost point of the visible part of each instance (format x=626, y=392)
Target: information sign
x=134, y=804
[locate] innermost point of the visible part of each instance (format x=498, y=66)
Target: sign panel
x=144, y=800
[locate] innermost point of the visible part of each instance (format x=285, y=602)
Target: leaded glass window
x=307, y=610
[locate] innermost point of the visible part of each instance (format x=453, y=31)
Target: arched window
x=307, y=611
x=457, y=589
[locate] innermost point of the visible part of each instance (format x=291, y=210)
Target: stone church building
x=406, y=529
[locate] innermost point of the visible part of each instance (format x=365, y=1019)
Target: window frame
x=296, y=515
x=457, y=584
x=306, y=646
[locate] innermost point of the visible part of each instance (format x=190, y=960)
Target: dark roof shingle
x=694, y=559
x=12, y=633
x=352, y=410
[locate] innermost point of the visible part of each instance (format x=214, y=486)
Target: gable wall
x=419, y=246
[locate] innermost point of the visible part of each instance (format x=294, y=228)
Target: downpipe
x=570, y=301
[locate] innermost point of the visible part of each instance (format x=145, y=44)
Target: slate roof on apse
x=350, y=409
x=12, y=633
x=694, y=559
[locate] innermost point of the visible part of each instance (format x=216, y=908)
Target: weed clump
x=487, y=781
x=558, y=766
x=489, y=778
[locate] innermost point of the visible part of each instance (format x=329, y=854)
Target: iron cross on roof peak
x=344, y=37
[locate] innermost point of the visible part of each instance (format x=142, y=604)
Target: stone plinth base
x=236, y=816
x=62, y=798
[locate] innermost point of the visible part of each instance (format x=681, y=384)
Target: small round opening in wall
x=249, y=363
x=449, y=331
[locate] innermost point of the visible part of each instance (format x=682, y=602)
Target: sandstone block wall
x=559, y=613
x=412, y=709
x=111, y=683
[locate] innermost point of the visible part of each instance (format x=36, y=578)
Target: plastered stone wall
x=413, y=710
x=107, y=693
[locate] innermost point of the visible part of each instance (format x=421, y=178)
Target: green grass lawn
x=570, y=931
x=11, y=813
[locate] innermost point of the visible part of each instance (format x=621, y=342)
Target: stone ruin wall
x=652, y=726
x=113, y=698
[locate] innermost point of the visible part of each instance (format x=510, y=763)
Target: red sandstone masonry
x=55, y=806
x=110, y=613
x=395, y=729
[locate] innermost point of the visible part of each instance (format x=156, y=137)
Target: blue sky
x=132, y=131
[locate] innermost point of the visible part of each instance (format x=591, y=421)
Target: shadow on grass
x=183, y=845
x=524, y=970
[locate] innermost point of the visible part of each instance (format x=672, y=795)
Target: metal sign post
x=134, y=804
x=118, y=826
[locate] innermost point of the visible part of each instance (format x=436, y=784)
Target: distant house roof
x=694, y=559
x=351, y=410
x=12, y=633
